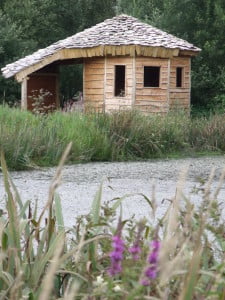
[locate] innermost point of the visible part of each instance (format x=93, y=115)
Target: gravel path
x=80, y=183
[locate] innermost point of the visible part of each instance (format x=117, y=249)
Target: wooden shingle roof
x=118, y=33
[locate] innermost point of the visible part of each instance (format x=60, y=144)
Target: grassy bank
x=29, y=140
x=180, y=256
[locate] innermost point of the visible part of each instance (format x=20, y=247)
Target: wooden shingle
x=119, y=31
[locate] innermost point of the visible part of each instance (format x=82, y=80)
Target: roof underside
x=121, y=35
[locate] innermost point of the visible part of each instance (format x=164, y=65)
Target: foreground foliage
x=30, y=141
x=180, y=256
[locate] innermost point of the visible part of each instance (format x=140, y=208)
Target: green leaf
x=40, y=263
x=13, y=226
x=23, y=209
x=191, y=278
x=58, y=213
x=96, y=205
x=4, y=241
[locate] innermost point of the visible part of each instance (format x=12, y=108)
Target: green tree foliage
x=9, y=41
x=28, y=25
x=146, y=10
x=95, y=11
x=75, y=16
x=201, y=22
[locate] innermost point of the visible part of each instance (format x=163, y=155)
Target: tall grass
x=30, y=140
x=40, y=259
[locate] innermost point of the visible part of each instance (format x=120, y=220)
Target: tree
x=200, y=22
x=9, y=41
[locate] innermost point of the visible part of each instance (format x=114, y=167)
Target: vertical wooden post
x=84, y=96
x=189, y=84
x=168, y=84
x=104, y=89
x=134, y=81
x=24, y=94
x=57, y=92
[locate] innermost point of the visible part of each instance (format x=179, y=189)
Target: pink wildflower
x=135, y=250
x=116, y=255
x=152, y=270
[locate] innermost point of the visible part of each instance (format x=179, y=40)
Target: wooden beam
x=129, y=50
x=188, y=53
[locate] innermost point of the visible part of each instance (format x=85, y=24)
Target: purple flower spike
x=155, y=244
x=153, y=258
x=152, y=270
x=135, y=251
x=116, y=255
x=145, y=282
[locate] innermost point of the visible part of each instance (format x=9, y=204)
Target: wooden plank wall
x=93, y=87
x=149, y=99
x=118, y=103
x=180, y=97
x=99, y=81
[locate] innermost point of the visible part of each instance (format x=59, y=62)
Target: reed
x=180, y=256
x=35, y=140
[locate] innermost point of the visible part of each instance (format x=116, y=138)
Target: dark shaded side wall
x=42, y=92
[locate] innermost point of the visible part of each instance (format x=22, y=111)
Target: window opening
x=151, y=76
x=120, y=81
x=179, y=75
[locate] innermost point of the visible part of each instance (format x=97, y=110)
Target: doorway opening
x=71, y=86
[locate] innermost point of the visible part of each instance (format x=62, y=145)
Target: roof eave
x=100, y=51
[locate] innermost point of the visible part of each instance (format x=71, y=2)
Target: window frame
x=159, y=78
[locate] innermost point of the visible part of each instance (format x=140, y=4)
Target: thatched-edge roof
x=119, y=32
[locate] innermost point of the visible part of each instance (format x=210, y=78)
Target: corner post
x=134, y=81
x=57, y=92
x=24, y=94
x=168, y=84
x=105, y=83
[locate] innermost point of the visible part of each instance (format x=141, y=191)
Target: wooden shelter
x=126, y=64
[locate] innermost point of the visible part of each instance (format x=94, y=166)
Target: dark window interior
x=151, y=76
x=120, y=81
x=179, y=77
